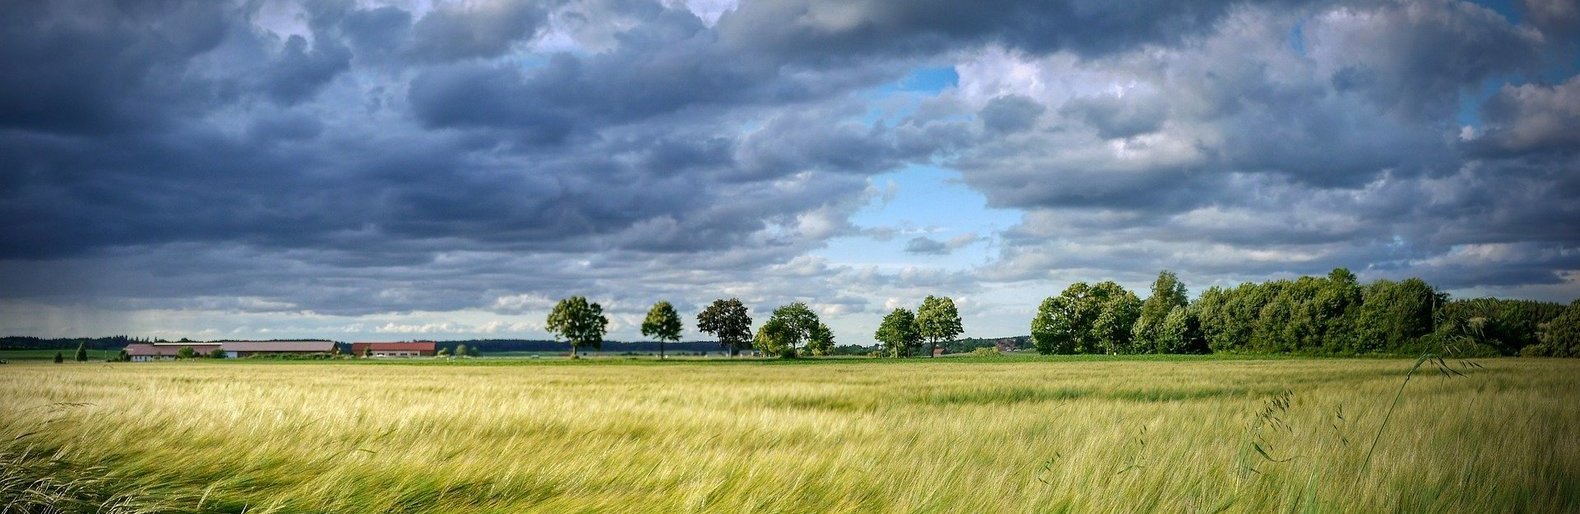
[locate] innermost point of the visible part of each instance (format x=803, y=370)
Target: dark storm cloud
x=833, y=31
x=341, y=158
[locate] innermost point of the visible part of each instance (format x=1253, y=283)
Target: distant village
x=144, y=352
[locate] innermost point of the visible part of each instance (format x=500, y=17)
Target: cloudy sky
x=447, y=169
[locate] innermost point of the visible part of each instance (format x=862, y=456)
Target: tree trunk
x=660, y=349
x=573, y=352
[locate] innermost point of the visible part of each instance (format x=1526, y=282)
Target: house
x=144, y=352
x=238, y=349
x=399, y=349
x=939, y=350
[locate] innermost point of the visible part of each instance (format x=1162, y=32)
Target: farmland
x=944, y=435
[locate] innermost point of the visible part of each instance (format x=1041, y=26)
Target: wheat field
x=944, y=435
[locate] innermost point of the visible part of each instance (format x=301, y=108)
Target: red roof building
x=400, y=349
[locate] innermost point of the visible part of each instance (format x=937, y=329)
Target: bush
x=985, y=351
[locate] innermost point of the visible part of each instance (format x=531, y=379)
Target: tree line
x=791, y=330
x=1332, y=315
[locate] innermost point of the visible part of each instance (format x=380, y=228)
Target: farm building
x=142, y=352
x=236, y=349
x=401, y=349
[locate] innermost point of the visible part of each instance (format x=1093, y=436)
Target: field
x=945, y=435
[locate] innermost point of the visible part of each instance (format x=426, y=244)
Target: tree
x=1180, y=332
x=217, y=353
x=334, y=351
x=793, y=324
x=898, y=333
x=938, y=320
x=729, y=321
x=442, y=352
x=663, y=324
x=580, y=322
x=1559, y=337
x=82, y=351
x=186, y=352
x=1117, y=310
x=368, y=351
x=1168, y=293
x=59, y=358
x=1057, y=328
x=471, y=351
x=821, y=340
x=775, y=338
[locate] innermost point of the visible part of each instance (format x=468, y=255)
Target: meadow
x=1080, y=434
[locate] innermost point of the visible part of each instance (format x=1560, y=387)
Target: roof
x=167, y=349
x=408, y=346
x=278, y=346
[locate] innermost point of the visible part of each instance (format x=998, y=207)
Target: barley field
x=944, y=435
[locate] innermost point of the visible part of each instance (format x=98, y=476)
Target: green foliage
x=1168, y=293
x=469, y=351
x=729, y=321
x=186, y=352
x=1394, y=315
x=59, y=358
x=938, y=320
x=217, y=353
x=898, y=333
x=1180, y=332
x=442, y=352
x=775, y=338
x=821, y=340
x=788, y=327
x=82, y=352
x=662, y=323
x=1500, y=326
x=1560, y=337
x=579, y=322
x=1086, y=319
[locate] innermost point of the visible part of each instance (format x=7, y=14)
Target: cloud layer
x=319, y=166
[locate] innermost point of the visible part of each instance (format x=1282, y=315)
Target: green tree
x=472, y=351
x=1394, y=315
x=186, y=352
x=1086, y=319
x=579, y=322
x=1063, y=323
x=442, y=352
x=1168, y=293
x=938, y=320
x=898, y=333
x=775, y=338
x=1117, y=310
x=217, y=353
x=729, y=321
x=663, y=324
x=368, y=351
x=1559, y=337
x=821, y=340
x=462, y=351
x=59, y=357
x=794, y=324
x=1180, y=332
x=82, y=351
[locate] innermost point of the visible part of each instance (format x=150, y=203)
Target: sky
x=366, y=170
